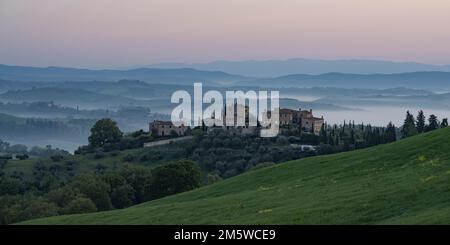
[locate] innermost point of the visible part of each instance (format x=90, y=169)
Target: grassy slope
x=403, y=182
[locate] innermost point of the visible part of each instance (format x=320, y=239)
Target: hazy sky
x=109, y=33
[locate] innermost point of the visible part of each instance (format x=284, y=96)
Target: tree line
x=417, y=125
x=22, y=199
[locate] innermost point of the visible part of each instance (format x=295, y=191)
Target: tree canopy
x=104, y=131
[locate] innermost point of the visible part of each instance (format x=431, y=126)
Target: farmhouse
x=166, y=128
x=302, y=118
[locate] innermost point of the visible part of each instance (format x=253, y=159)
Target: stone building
x=166, y=128
x=303, y=118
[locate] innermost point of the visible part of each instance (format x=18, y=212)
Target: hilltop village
x=301, y=119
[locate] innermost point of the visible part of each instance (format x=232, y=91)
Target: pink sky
x=112, y=33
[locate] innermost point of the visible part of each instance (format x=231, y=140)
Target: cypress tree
x=352, y=137
x=323, y=134
x=390, y=133
x=420, y=122
x=444, y=123
x=409, y=126
x=432, y=123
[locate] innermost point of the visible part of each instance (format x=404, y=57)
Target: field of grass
x=406, y=182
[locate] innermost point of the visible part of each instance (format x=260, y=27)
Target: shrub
x=212, y=178
x=11, y=186
x=262, y=165
x=22, y=156
x=174, y=178
x=80, y=205
x=114, y=153
x=128, y=158
x=94, y=188
x=6, y=157
x=139, y=178
x=57, y=158
x=3, y=162
x=137, y=133
x=62, y=196
x=99, y=155
x=123, y=196
x=39, y=208
x=100, y=168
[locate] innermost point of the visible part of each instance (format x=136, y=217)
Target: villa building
x=303, y=118
x=166, y=128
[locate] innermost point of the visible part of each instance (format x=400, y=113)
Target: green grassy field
x=406, y=182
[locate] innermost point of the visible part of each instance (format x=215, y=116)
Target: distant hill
x=417, y=80
x=405, y=182
x=69, y=97
x=274, y=68
x=151, y=75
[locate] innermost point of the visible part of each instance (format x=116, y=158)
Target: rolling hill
x=151, y=75
x=406, y=182
x=274, y=68
x=71, y=97
x=432, y=80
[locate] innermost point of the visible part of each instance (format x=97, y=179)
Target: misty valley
x=49, y=106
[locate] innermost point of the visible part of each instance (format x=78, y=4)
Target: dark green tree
x=104, y=131
x=323, y=135
x=390, y=134
x=139, y=178
x=80, y=205
x=409, y=126
x=433, y=123
x=94, y=188
x=444, y=123
x=420, y=122
x=175, y=177
x=330, y=139
x=352, y=137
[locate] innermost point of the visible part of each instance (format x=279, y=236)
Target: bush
x=139, y=178
x=114, y=153
x=11, y=186
x=62, y=196
x=137, y=133
x=6, y=157
x=325, y=149
x=128, y=158
x=262, y=165
x=123, y=196
x=99, y=155
x=57, y=158
x=174, y=178
x=3, y=162
x=94, y=188
x=80, y=205
x=212, y=178
x=22, y=156
x=39, y=208
x=85, y=149
x=100, y=168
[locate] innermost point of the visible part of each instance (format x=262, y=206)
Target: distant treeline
x=19, y=151
x=30, y=127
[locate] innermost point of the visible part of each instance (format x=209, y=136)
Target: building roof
x=162, y=122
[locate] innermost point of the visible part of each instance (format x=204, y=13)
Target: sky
x=113, y=33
